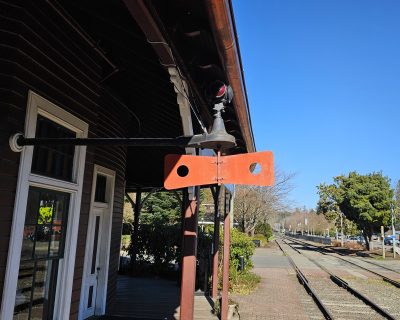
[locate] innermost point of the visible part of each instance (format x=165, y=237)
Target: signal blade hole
x=255, y=168
x=182, y=171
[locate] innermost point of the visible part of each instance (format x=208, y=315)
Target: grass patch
x=244, y=282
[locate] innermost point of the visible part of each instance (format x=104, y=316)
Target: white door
x=95, y=273
x=95, y=265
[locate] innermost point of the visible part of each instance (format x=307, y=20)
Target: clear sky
x=323, y=81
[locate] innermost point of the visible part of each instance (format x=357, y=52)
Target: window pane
x=95, y=242
x=55, y=240
x=52, y=211
x=36, y=290
x=101, y=184
x=54, y=160
x=24, y=289
x=42, y=248
x=28, y=242
x=42, y=242
x=31, y=209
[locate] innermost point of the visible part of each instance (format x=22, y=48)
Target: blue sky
x=323, y=81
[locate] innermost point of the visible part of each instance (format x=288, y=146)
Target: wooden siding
x=40, y=52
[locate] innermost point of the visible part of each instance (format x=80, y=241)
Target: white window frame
x=38, y=105
x=101, y=295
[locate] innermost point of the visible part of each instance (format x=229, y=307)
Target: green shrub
x=158, y=244
x=264, y=229
x=263, y=239
x=241, y=246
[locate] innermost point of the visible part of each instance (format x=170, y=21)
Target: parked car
x=360, y=239
x=389, y=241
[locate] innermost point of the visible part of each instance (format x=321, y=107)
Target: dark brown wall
x=39, y=51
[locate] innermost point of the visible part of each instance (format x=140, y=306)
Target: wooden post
x=136, y=225
x=214, y=293
x=189, y=251
x=136, y=208
x=225, y=272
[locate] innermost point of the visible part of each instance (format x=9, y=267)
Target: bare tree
x=254, y=205
x=306, y=221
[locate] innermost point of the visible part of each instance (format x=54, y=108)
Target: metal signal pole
x=393, y=232
x=341, y=228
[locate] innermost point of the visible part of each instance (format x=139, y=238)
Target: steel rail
x=342, y=283
x=375, y=264
x=370, y=262
x=303, y=280
x=389, y=280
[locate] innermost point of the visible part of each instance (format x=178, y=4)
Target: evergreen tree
x=163, y=208
x=363, y=199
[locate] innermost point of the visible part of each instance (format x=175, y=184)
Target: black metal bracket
x=211, y=141
x=217, y=139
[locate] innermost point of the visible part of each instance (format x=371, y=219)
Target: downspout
x=223, y=25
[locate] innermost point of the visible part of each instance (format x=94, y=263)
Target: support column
x=136, y=225
x=214, y=286
x=225, y=271
x=136, y=208
x=189, y=250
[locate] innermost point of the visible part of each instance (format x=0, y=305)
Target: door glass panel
x=95, y=243
x=42, y=248
x=101, y=184
x=90, y=297
x=54, y=161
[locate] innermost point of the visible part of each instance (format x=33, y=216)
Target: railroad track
x=383, y=291
x=335, y=297
x=325, y=251
x=343, y=254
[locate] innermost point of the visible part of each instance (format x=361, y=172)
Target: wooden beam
x=215, y=191
x=145, y=20
x=225, y=270
x=137, y=208
x=189, y=250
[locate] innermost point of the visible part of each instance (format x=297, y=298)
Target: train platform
x=279, y=294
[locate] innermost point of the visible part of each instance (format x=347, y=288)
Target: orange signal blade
x=185, y=171
x=236, y=169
